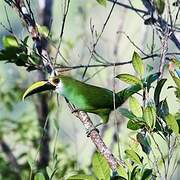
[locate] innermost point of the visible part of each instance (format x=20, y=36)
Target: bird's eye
x=55, y=81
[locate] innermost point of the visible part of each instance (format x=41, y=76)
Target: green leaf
x=102, y=2
x=144, y=141
x=133, y=156
x=31, y=163
x=163, y=109
x=39, y=176
x=133, y=125
x=43, y=30
x=146, y=174
x=172, y=123
x=150, y=116
x=150, y=79
x=130, y=79
x=81, y=177
x=160, y=6
x=149, y=68
x=157, y=91
x=10, y=41
x=128, y=114
x=122, y=172
x=176, y=79
x=138, y=64
x=135, y=107
x=136, y=173
x=100, y=166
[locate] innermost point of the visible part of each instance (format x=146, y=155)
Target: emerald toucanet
x=85, y=97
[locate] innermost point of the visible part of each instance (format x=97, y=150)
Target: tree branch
x=97, y=140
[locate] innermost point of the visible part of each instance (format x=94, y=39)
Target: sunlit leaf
x=160, y=6
x=43, y=30
x=138, y=64
x=128, y=114
x=133, y=156
x=81, y=177
x=172, y=123
x=135, y=107
x=133, y=125
x=122, y=172
x=176, y=79
x=136, y=173
x=39, y=176
x=10, y=41
x=100, y=166
x=130, y=79
x=102, y=2
x=149, y=115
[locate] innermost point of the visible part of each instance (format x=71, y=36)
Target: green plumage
x=88, y=98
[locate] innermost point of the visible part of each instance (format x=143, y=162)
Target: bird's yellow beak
x=38, y=87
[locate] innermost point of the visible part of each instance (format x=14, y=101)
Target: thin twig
x=66, y=9
x=98, y=38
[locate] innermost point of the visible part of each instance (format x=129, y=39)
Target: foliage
x=151, y=148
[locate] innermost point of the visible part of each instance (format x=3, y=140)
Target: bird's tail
x=127, y=92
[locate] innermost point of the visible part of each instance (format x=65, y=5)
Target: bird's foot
x=88, y=132
x=94, y=128
x=74, y=111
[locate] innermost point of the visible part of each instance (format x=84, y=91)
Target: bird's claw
x=94, y=128
x=74, y=111
x=88, y=132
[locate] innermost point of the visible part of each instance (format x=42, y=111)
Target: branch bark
x=97, y=140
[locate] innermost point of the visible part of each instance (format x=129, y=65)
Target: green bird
x=86, y=97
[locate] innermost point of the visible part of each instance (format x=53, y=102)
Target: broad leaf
x=146, y=174
x=160, y=5
x=163, y=109
x=43, y=30
x=128, y=114
x=102, y=2
x=135, y=107
x=100, y=166
x=39, y=176
x=122, y=172
x=130, y=79
x=172, y=123
x=133, y=156
x=127, y=92
x=144, y=141
x=133, y=125
x=176, y=79
x=138, y=64
x=150, y=116
x=81, y=177
x=150, y=79
x=158, y=90
x=136, y=173
x=10, y=41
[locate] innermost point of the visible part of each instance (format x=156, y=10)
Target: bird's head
x=40, y=86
